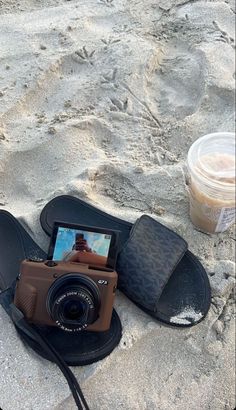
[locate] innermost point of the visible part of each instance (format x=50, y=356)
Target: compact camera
x=75, y=288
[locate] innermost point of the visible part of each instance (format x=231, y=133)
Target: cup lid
x=212, y=158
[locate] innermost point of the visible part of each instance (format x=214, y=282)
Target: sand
x=102, y=100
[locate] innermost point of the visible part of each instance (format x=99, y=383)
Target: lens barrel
x=73, y=302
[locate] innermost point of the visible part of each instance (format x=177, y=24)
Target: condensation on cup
x=211, y=182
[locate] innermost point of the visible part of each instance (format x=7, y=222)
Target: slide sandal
x=186, y=297
x=15, y=245
x=77, y=349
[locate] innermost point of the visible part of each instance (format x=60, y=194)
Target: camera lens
x=73, y=309
x=73, y=302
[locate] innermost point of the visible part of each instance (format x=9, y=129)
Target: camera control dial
x=35, y=259
x=50, y=264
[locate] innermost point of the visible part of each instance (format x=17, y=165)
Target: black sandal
x=182, y=298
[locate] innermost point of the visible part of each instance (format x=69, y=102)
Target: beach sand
x=102, y=100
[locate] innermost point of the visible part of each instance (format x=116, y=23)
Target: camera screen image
x=73, y=245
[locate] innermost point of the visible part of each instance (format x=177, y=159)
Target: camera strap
x=34, y=333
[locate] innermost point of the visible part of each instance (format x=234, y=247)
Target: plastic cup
x=211, y=169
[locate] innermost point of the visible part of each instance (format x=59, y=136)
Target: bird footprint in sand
x=108, y=41
x=82, y=56
x=110, y=78
x=118, y=105
x=106, y=2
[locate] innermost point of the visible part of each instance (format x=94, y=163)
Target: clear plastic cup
x=211, y=169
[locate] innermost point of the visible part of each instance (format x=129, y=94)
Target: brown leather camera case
x=37, y=277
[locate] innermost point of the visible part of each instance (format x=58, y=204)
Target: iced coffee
x=211, y=168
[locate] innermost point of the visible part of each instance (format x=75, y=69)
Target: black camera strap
x=34, y=333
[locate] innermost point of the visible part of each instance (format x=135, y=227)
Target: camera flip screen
x=88, y=245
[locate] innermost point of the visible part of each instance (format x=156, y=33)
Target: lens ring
x=73, y=293
x=78, y=288
x=74, y=309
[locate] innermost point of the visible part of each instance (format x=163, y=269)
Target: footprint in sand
x=58, y=83
x=177, y=85
x=110, y=182
x=74, y=148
